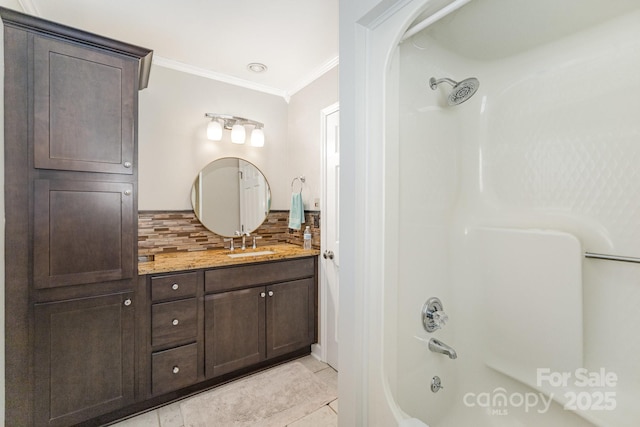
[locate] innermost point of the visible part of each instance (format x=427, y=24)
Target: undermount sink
x=250, y=254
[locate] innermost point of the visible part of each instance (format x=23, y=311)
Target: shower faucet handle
x=433, y=317
x=439, y=318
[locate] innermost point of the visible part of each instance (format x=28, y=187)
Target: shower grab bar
x=612, y=257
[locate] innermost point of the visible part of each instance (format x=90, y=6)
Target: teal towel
x=296, y=214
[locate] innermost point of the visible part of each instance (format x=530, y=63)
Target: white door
x=252, y=196
x=330, y=260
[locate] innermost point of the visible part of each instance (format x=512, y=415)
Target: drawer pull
x=270, y=293
x=127, y=165
x=127, y=302
x=175, y=370
x=175, y=286
x=262, y=295
x=175, y=322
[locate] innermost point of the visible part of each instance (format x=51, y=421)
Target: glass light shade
x=257, y=138
x=238, y=134
x=214, y=130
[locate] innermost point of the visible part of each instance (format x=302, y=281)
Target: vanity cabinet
x=236, y=318
x=70, y=109
x=249, y=326
x=244, y=327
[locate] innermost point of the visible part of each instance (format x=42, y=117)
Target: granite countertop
x=179, y=261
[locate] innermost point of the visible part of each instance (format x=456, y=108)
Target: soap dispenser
x=307, y=238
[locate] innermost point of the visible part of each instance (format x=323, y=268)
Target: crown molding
x=224, y=78
x=29, y=6
x=190, y=69
x=329, y=65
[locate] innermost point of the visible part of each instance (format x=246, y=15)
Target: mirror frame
x=230, y=206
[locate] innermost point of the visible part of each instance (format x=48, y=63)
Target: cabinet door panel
x=234, y=330
x=84, y=358
x=84, y=108
x=83, y=232
x=290, y=316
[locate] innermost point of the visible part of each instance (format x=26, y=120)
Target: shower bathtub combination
x=511, y=157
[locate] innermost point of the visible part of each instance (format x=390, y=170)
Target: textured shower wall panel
x=562, y=151
x=564, y=136
x=550, y=141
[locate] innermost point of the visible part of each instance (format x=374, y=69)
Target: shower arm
x=434, y=83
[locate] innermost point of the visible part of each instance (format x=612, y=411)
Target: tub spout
x=440, y=347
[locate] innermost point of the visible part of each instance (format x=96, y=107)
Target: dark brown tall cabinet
x=71, y=221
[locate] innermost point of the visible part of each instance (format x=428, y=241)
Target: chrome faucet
x=244, y=236
x=438, y=346
x=230, y=239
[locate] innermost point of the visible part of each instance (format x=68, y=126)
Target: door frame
x=320, y=349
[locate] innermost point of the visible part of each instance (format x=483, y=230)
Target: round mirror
x=231, y=195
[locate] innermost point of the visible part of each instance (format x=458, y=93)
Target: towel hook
x=300, y=178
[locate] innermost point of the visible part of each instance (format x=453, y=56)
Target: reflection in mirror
x=231, y=195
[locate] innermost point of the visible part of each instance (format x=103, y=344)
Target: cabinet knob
x=127, y=165
x=175, y=322
x=270, y=293
x=262, y=295
x=127, y=192
x=127, y=302
x=175, y=370
x=175, y=286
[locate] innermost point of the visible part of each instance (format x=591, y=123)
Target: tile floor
x=170, y=416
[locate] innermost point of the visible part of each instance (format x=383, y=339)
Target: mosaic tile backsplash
x=181, y=231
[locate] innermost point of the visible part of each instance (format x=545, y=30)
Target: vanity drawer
x=173, y=322
x=224, y=279
x=175, y=368
x=175, y=286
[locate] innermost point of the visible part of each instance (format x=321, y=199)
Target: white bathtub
x=549, y=145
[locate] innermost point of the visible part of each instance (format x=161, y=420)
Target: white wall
x=172, y=136
x=173, y=146
x=305, y=133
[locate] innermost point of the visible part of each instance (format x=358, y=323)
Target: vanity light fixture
x=257, y=137
x=214, y=130
x=238, y=134
x=237, y=127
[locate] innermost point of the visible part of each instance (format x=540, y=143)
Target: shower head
x=461, y=90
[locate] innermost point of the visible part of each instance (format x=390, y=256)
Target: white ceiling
x=296, y=39
x=493, y=29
